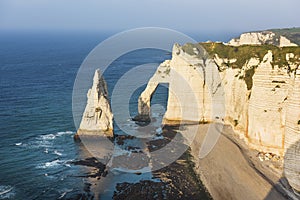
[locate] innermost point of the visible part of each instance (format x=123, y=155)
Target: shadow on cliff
x=290, y=166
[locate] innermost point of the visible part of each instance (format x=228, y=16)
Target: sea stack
x=97, y=118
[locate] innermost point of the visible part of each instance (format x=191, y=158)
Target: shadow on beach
x=291, y=169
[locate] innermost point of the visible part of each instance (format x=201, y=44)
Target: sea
x=37, y=74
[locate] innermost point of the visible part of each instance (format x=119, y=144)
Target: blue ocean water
x=37, y=73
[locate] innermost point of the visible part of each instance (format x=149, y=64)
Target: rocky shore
x=230, y=171
x=176, y=181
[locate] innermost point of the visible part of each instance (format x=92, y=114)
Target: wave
x=48, y=137
x=57, y=153
x=6, y=192
x=54, y=164
x=44, y=141
x=50, y=164
x=65, y=133
x=52, y=136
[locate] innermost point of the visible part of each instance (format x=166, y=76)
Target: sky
x=119, y=15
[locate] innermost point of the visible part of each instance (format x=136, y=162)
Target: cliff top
x=287, y=58
x=246, y=52
x=292, y=34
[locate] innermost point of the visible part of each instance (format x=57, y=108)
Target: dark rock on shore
x=142, y=119
x=98, y=172
x=176, y=181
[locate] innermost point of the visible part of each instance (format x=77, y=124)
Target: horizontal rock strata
x=259, y=98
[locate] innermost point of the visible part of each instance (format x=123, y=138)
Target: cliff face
x=191, y=83
x=267, y=107
x=292, y=134
x=252, y=97
x=97, y=117
x=259, y=38
x=252, y=88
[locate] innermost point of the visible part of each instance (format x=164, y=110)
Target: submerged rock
x=97, y=118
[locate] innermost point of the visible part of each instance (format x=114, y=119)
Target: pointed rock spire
x=97, y=117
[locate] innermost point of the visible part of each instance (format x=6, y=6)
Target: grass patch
x=245, y=52
x=293, y=34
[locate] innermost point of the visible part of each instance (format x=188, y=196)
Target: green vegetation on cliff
x=245, y=52
x=292, y=34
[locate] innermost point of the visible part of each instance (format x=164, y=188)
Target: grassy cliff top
x=245, y=52
x=292, y=34
x=242, y=54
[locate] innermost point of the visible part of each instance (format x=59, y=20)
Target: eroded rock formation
x=191, y=73
x=97, y=117
x=256, y=92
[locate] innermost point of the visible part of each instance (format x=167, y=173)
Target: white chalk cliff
x=189, y=75
x=260, y=99
x=97, y=118
x=292, y=134
x=259, y=38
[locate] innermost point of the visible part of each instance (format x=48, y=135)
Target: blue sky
x=118, y=15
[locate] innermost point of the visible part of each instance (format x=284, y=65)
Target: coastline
x=175, y=181
x=234, y=171
x=230, y=171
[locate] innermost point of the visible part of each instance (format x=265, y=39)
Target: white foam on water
x=40, y=144
x=57, y=153
x=67, y=165
x=54, y=163
x=50, y=164
x=64, y=133
x=6, y=192
x=45, y=141
x=21, y=144
x=48, y=137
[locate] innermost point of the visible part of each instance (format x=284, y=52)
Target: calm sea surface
x=37, y=73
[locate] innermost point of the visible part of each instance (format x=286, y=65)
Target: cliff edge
x=277, y=37
x=254, y=88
